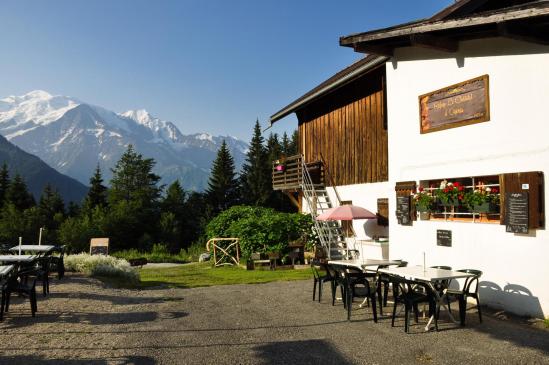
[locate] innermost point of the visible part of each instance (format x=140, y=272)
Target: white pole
x=423, y=261
x=20, y=242
x=40, y=237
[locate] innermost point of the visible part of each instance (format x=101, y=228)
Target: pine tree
x=222, y=191
x=256, y=173
x=97, y=195
x=293, y=148
x=285, y=145
x=18, y=195
x=174, y=200
x=134, y=181
x=274, y=148
x=51, y=207
x=4, y=183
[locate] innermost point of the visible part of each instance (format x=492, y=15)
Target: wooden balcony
x=288, y=173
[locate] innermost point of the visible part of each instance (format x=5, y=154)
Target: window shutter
x=405, y=189
x=514, y=183
x=383, y=211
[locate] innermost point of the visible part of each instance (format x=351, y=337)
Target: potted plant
x=280, y=165
x=482, y=199
x=450, y=193
x=424, y=202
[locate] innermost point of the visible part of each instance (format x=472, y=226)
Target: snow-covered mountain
x=73, y=136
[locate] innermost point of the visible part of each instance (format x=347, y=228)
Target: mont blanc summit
x=73, y=136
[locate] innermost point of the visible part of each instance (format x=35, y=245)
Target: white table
x=5, y=269
x=18, y=258
x=430, y=276
x=33, y=248
x=363, y=264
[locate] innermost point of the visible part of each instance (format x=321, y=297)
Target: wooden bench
x=256, y=258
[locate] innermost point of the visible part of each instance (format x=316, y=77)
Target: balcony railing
x=288, y=173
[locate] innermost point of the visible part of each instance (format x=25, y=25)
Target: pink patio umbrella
x=346, y=213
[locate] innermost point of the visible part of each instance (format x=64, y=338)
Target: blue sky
x=206, y=65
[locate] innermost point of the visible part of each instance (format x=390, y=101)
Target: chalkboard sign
x=403, y=210
x=516, y=210
x=444, y=237
x=99, y=246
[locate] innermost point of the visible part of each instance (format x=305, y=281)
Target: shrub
x=261, y=229
x=100, y=265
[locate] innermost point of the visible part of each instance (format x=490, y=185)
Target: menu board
x=453, y=106
x=444, y=237
x=516, y=210
x=403, y=210
x=99, y=246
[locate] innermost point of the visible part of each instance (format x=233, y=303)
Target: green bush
x=261, y=229
x=101, y=265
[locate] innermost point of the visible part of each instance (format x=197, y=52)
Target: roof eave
x=299, y=103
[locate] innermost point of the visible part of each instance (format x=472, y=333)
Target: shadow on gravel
x=99, y=318
x=300, y=352
x=516, y=333
x=113, y=299
x=29, y=359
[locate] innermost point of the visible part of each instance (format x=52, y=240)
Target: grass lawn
x=203, y=274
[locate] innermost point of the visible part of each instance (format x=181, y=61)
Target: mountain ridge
x=73, y=137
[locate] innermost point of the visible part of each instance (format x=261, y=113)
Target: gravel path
x=83, y=322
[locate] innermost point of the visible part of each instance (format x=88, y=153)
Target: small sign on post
x=99, y=246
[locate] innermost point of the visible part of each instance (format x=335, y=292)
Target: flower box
x=486, y=207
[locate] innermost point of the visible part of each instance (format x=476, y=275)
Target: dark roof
x=341, y=78
x=466, y=19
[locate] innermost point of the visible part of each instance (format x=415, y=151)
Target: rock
x=204, y=257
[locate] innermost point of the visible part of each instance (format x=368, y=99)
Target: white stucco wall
x=516, y=139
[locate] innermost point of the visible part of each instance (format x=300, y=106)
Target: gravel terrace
x=83, y=322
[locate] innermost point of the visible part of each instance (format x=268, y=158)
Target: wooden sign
x=403, y=210
x=99, y=246
x=444, y=237
x=455, y=106
x=516, y=212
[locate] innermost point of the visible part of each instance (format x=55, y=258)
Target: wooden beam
x=293, y=199
x=434, y=42
x=378, y=50
x=523, y=32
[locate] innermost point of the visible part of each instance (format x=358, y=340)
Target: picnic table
x=34, y=248
x=18, y=258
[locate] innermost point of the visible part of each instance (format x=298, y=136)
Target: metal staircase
x=329, y=233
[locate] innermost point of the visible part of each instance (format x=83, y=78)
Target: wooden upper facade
x=347, y=130
x=343, y=124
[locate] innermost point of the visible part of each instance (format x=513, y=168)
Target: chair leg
x=479, y=311
x=34, y=307
x=394, y=314
x=314, y=290
x=334, y=289
x=319, y=290
x=8, y=295
x=374, y=310
x=462, y=309
x=406, y=314
x=385, y=293
x=2, y=304
x=349, y=303
x=380, y=297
